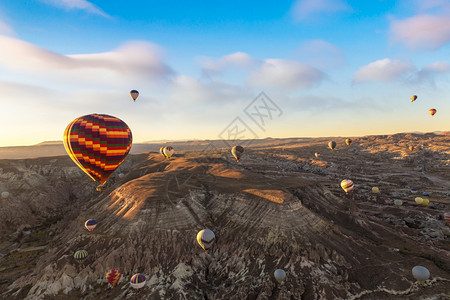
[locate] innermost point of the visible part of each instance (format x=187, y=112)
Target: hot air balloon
x=98, y=144
x=375, y=190
x=398, y=202
x=347, y=185
x=280, y=275
x=317, y=154
x=161, y=150
x=237, y=152
x=420, y=274
x=90, y=224
x=134, y=94
x=411, y=148
x=348, y=141
x=5, y=195
x=80, y=255
x=418, y=200
x=332, y=145
x=206, y=238
x=413, y=98
x=432, y=111
x=447, y=218
x=168, y=151
x=426, y=194
x=414, y=191
x=138, y=281
x=425, y=202
x=113, y=276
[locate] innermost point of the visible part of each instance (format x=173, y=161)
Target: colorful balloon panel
x=137, y=281
x=98, y=144
x=113, y=276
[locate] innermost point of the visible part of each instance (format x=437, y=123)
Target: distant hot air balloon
x=418, y=200
x=426, y=194
x=332, y=145
x=80, y=255
x=206, y=238
x=398, y=202
x=113, y=276
x=347, y=185
x=134, y=94
x=375, y=190
x=413, y=98
x=98, y=144
x=90, y=224
x=421, y=274
x=237, y=152
x=348, y=141
x=317, y=154
x=161, y=150
x=137, y=281
x=432, y=111
x=5, y=195
x=280, y=275
x=411, y=148
x=447, y=218
x=168, y=151
x=414, y=191
x=425, y=202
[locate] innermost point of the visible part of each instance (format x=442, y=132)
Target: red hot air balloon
x=98, y=144
x=432, y=111
x=113, y=277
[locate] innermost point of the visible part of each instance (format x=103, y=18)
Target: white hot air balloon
x=420, y=274
x=206, y=238
x=280, y=275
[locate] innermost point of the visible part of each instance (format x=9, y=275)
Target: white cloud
x=321, y=54
x=429, y=73
x=285, y=74
x=134, y=59
x=383, y=70
x=428, y=30
x=77, y=4
x=304, y=9
x=237, y=59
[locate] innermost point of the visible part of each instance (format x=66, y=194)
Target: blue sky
x=334, y=67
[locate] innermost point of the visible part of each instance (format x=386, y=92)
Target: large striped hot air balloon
x=168, y=151
x=80, y=255
x=138, y=281
x=90, y=224
x=113, y=276
x=347, y=185
x=134, y=94
x=237, y=152
x=98, y=144
x=206, y=238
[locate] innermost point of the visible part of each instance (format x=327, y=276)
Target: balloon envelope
x=414, y=191
x=413, y=98
x=90, y=224
x=317, y=154
x=332, y=145
x=432, y=111
x=425, y=202
x=348, y=141
x=113, y=276
x=168, y=151
x=347, y=185
x=237, y=152
x=418, y=200
x=398, y=202
x=137, y=281
x=206, y=238
x=161, y=150
x=375, y=190
x=98, y=144
x=134, y=94
x=420, y=273
x=280, y=275
x=5, y=194
x=80, y=255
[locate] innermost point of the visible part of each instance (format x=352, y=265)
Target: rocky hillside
x=280, y=207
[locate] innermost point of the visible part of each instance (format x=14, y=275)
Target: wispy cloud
x=321, y=54
x=5, y=28
x=428, y=30
x=77, y=4
x=285, y=74
x=307, y=9
x=138, y=59
x=383, y=70
x=242, y=60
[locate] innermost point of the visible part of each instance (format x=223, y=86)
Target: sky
x=224, y=70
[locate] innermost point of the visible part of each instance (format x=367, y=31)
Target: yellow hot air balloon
x=413, y=98
x=237, y=152
x=425, y=202
x=418, y=200
x=206, y=238
x=347, y=185
x=348, y=142
x=375, y=190
x=432, y=111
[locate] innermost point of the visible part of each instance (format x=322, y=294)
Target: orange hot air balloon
x=98, y=144
x=113, y=277
x=347, y=185
x=432, y=111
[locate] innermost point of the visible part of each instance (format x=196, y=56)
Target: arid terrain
x=279, y=207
